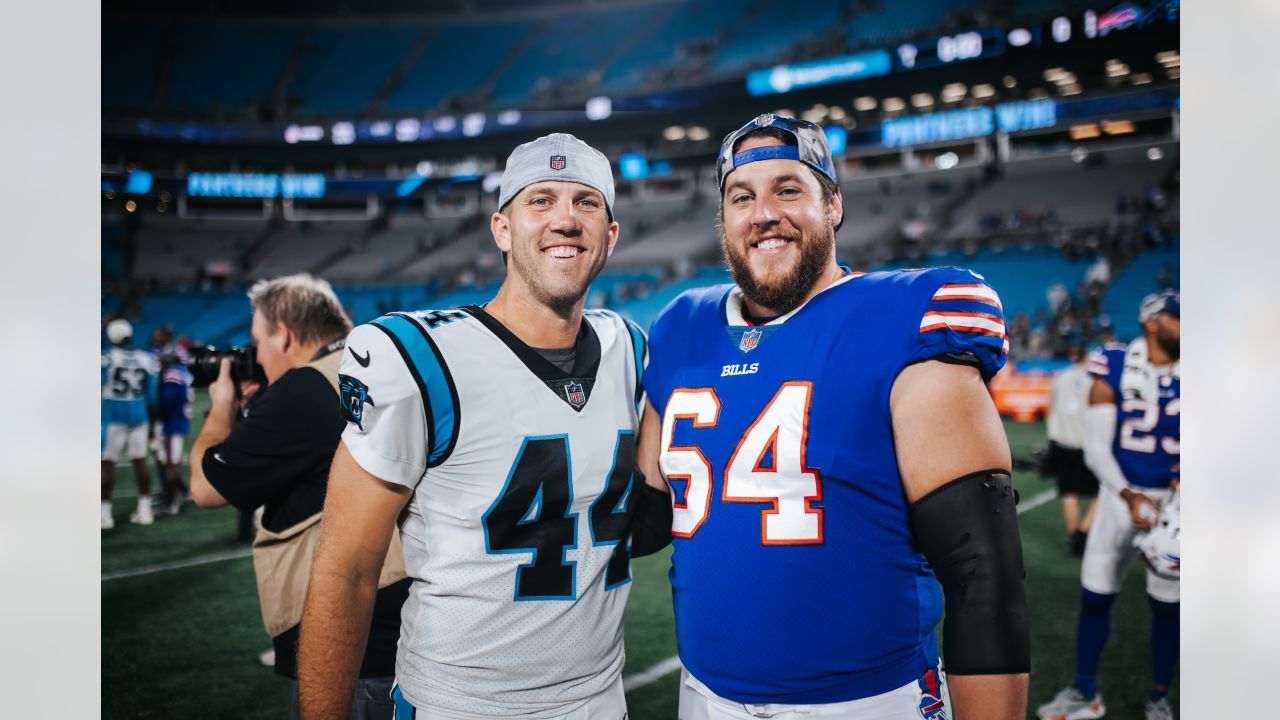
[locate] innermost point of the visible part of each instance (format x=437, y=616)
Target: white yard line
x=652, y=675
x=193, y=562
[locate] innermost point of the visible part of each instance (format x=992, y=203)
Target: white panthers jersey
x=126, y=374
x=517, y=534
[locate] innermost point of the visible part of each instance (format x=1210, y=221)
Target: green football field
x=181, y=632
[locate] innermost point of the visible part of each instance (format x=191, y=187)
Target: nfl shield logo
x=558, y=162
x=574, y=394
x=750, y=339
x=764, y=119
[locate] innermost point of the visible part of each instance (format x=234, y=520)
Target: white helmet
x=119, y=330
x=1160, y=547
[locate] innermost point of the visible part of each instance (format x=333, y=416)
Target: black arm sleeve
x=289, y=436
x=968, y=530
x=651, y=523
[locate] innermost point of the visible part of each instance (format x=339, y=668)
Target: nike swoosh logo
x=219, y=458
x=364, y=361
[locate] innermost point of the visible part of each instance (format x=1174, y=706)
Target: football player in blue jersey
x=173, y=411
x=1132, y=446
x=128, y=392
x=838, y=467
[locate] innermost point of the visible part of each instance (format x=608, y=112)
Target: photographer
x=277, y=455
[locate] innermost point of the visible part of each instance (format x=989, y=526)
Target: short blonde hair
x=303, y=303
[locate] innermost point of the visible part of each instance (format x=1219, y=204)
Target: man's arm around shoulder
x=945, y=428
x=360, y=513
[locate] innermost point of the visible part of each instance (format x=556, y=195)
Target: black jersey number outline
x=533, y=514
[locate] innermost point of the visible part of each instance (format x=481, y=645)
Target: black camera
x=206, y=361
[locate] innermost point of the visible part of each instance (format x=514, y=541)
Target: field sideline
x=181, y=630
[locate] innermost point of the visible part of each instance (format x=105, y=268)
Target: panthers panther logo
x=354, y=395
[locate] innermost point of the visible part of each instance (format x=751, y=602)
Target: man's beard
x=1168, y=344
x=786, y=294
x=559, y=294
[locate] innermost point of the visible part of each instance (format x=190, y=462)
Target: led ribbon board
x=968, y=123
x=255, y=185
x=785, y=78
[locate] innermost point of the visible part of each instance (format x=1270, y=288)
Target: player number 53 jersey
x=517, y=534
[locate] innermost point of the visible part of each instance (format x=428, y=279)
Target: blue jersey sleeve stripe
x=641, y=348
x=439, y=396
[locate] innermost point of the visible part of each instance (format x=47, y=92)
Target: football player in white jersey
x=129, y=379
x=501, y=441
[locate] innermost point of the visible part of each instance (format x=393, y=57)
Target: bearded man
x=837, y=466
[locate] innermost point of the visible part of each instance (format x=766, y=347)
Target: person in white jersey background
x=128, y=392
x=501, y=440
x=1065, y=428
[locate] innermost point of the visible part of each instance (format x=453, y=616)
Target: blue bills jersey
x=1146, y=444
x=794, y=574
x=173, y=404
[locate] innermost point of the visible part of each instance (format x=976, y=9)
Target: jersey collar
x=731, y=307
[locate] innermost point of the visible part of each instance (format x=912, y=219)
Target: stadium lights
x=837, y=113
x=953, y=92
x=1117, y=127
x=1070, y=89
x=599, y=108
x=342, y=133
x=407, y=129
x=473, y=124
x=425, y=168
x=815, y=114
x=1058, y=76
x=1019, y=37
x=697, y=133
x=1174, y=72
x=508, y=117
x=866, y=103
x=303, y=133
x=1154, y=153
x=1169, y=58
x=1115, y=68
x=785, y=112
x=1079, y=154
x=1141, y=78
x=849, y=123
x=921, y=100
x=1061, y=29
x=1010, y=81
x=380, y=128
x=130, y=206
x=893, y=104
x=445, y=123
x=946, y=161
x=1086, y=131
x=492, y=181
x=674, y=133
x=985, y=90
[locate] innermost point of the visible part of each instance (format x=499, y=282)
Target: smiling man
x=501, y=440
x=837, y=464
